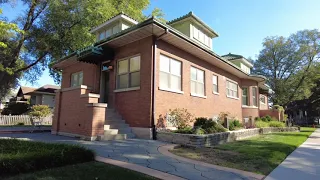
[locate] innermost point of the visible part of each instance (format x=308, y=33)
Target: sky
x=242, y=25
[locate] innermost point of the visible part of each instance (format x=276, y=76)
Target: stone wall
x=208, y=140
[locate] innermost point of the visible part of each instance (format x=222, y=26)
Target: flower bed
x=209, y=140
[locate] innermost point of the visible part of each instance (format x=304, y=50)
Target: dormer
x=243, y=63
x=113, y=25
x=194, y=28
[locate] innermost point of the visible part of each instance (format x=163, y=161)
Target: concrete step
x=124, y=130
x=119, y=126
x=109, y=122
x=110, y=137
x=115, y=119
x=111, y=131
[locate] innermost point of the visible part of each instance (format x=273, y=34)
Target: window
x=232, y=89
x=197, y=81
x=76, y=79
x=254, y=96
x=115, y=29
x=201, y=36
x=108, y=33
x=245, y=101
x=128, y=73
x=215, y=84
x=262, y=99
x=170, y=73
x=245, y=68
x=101, y=35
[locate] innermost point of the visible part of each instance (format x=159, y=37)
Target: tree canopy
x=48, y=30
x=290, y=64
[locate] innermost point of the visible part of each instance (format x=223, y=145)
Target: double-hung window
x=215, y=84
x=245, y=100
x=170, y=74
x=76, y=79
x=232, y=89
x=197, y=81
x=262, y=99
x=128, y=73
x=254, y=96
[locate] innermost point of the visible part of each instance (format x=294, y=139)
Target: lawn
x=24, y=160
x=259, y=154
x=90, y=170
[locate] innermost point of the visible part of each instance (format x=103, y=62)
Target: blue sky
x=241, y=24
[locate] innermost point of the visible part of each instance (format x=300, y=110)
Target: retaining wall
x=209, y=140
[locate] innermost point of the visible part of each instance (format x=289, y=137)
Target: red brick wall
x=91, y=75
x=265, y=106
x=134, y=106
x=213, y=104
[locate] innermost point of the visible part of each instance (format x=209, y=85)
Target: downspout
x=154, y=55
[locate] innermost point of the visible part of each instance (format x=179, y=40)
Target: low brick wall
x=217, y=138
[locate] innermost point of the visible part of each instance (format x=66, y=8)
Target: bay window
x=245, y=101
x=254, y=96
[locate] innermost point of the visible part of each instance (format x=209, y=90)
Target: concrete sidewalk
x=301, y=164
x=140, y=152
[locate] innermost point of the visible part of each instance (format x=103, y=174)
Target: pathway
x=140, y=152
x=303, y=163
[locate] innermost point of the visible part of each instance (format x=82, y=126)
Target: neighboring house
x=141, y=70
x=300, y=112
x=44, y=95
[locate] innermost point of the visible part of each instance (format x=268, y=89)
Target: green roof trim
x=172, y=30
x=232, y=56
x=191, y=14
x=88, y=51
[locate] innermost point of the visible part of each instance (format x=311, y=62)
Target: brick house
x=123, y=84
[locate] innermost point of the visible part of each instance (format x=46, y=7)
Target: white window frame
x=217, y=84
x=198, y=82
x=254, y=97
x=128, y=72
x=264, y=98
x=77, y=83
x=169, y=88
x=247, y=96
x=232, y=90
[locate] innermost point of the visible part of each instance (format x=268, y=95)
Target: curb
x=165, y=151
x=138, y=168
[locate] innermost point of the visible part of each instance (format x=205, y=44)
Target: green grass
x=259, y=154
x=89, y=170
x=19, y=156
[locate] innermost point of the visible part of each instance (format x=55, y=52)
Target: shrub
x=268, y=118
x=39, y=111
x=199, y=131
x=200, y=121
x=20, y=124
x=181, y=118
x=257, y=119
x=209, y=126
x=276, y=124
x=234, y=124
x=261, y=124
x=264, y=119
x=15, y=108
x=19, y=156
x=186, y=130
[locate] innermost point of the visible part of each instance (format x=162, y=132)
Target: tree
x=52, y=29
x=286, y=62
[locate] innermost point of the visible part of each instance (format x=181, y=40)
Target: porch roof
x=153, y=27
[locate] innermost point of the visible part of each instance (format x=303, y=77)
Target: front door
x=106, y=86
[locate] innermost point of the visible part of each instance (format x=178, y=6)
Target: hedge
x=20, y=156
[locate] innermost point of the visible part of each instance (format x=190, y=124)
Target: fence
x=25, y=119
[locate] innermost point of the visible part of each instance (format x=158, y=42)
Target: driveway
x=302, y=163
x=140, y=152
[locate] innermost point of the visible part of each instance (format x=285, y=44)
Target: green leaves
x=290, y=64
